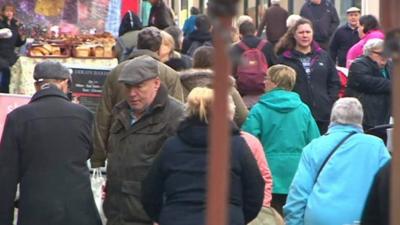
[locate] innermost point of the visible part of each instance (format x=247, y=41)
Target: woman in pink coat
x=368, y=29
x=267, y=215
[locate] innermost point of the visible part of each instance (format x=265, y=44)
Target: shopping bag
x=98, y=182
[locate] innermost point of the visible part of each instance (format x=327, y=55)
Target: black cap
x=51, y=70
x=138, y=70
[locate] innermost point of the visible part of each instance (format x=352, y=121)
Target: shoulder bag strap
x=332, y=152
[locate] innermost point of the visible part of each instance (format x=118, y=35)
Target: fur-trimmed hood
x=199, y=78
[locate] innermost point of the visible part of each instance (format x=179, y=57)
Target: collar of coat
x=122, y=109
x=139, y=52
x=50, y=91
x=315, y=48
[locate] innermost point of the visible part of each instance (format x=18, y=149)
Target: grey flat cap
x=139, y=70
x=51, y=70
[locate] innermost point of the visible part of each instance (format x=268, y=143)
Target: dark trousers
x=278, y=201
x=5, y=75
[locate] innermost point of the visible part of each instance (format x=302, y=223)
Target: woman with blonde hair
x=175, y=189
x=284, y=125
x=167, y=46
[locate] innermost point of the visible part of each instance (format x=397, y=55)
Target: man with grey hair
x=336, y=171
x=149, y=42
x=44, y=148
x=140, y=124
x=370, y=81
x=274, y=22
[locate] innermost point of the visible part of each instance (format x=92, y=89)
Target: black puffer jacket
x=179, y=175
x=319, y=90
x=7, y=45
x=367, y=83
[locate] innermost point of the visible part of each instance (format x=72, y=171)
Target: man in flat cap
x=345, y=37
x=149, y=42
x=44, y=149
x=140, y=125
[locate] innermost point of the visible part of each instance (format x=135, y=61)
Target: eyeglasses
x=380, y=54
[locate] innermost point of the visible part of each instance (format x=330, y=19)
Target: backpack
x=195, y=45
x=252, y=69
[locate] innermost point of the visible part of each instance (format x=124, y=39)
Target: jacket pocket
x=131, y=187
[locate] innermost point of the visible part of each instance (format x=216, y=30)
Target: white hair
x=347, y=111
x=291, y=20
x=275, y=2
x=371, y=45
x=242, y=19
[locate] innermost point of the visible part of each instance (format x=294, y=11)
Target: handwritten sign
x=7, y=104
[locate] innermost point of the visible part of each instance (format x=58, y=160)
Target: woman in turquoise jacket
x=284, y=125
x=336, y=194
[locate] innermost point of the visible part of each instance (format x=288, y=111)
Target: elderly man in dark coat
x=140, y=125
x=44, y=148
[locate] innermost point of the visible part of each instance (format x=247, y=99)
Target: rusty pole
x=221, y=13
x=390, y=19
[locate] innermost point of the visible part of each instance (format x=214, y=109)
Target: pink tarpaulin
x=7, y=104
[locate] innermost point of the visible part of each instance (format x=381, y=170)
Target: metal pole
x=390, y=18
x=221, y=12
x=393, y=46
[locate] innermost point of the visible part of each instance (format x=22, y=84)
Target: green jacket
x=131, y=151
x=113, y=93
x=284, y=125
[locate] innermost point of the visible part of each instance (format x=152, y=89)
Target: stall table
x=22, y=72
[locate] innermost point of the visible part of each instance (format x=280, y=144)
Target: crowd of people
x=300, y=152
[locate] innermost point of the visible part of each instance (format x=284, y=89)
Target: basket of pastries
x=94, y=46
x=47, y=50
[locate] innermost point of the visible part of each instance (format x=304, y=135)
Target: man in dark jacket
x=345, y=37
x=201, y=36
x=324, y=17
x=141, y=124
x=44, y=148
x=149, y=42
x=160, y=15
x=369, y=81
x=8, y=57
x=274, y=21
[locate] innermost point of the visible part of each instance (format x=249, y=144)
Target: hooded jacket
x=204, y=78
x=284, y=125
x=175, y=189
